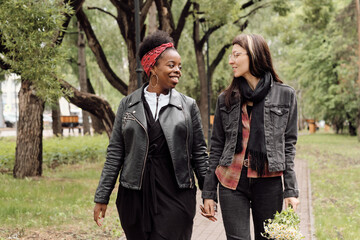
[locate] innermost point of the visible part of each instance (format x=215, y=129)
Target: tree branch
x=181, y=22
x=123, y=6
x=166, y=20
x=251, y=12
x=96, y=48
x=144, y=10
x=102, y=10
x=218, y=58
x=91, y=103
x=75, y=5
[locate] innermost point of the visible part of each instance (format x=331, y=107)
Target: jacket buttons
x=134, y=111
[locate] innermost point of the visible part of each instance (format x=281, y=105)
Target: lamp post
x=204, y=27
x=139, y=69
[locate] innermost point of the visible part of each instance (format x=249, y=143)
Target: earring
x=157, y=80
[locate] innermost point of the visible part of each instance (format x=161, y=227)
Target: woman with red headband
x=156, y=144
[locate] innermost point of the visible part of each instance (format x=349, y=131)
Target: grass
x=61, y=201
x=334, y=162
x=57, y=151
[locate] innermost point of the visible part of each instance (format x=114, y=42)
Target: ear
x=152, y=71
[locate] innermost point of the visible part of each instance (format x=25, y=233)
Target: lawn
x=59, y=204
x=334, y=162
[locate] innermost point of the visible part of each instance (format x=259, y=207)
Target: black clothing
x=129, y=144
x=263, y=195
x=160, y=208
x=256, y=145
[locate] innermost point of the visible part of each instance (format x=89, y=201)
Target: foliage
x=284, y=226
x=58, y=151
x=314, y=47
x=334, y=164
x=28, y=30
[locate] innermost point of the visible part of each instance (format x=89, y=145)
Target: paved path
x=207, y=230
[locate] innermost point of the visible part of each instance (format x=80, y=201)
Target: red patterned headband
x=149, y=59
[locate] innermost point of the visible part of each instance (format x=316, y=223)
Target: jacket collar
x=136, y=97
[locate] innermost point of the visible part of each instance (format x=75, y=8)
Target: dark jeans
x=263, y=195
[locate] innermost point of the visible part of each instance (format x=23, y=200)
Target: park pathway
x=207, y=230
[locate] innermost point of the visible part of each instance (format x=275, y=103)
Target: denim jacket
x=280, y=120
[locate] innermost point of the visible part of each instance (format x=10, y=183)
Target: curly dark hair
x=154, y=40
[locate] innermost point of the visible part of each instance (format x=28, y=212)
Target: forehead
x=238, y=48
x=170, y=55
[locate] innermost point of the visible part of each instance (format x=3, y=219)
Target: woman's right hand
x=100, y=208
x=209, y=209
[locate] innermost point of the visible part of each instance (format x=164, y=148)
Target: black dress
x=160, y=210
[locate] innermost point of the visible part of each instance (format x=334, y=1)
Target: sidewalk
x=207, y=230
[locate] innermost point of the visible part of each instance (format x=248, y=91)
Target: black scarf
x=256, y=144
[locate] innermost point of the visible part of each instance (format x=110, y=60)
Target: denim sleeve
x=290, y=182
x=216, y=148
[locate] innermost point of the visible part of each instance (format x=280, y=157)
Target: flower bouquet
x=284, y=226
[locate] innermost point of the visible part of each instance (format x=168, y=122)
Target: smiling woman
x=158, y=144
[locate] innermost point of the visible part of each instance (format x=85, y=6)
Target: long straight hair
x=259, y=61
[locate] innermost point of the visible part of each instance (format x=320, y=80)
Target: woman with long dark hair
x=156, y=144
x=253, y=143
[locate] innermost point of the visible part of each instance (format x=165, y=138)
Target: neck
x=157, y=90
x=252, y=81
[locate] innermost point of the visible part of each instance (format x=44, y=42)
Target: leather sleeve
x=114, y=160
x=199, y=154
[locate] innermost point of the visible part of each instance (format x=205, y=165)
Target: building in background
x=9, y=101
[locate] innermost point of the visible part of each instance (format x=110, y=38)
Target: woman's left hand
x=292, y=201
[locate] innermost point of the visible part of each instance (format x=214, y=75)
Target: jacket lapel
x=136, y=107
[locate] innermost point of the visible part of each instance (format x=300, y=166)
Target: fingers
x=207, y=213
x=292, y=201
x=99, y=209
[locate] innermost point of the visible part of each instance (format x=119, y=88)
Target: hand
x=209, y=209
x=292, y=201
x=100, y=208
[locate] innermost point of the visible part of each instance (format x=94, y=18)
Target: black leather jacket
x=280, y=120
x=129, y=143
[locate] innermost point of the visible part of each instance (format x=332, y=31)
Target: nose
x=177, y=70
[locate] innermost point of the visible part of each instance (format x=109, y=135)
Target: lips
x=175, y=78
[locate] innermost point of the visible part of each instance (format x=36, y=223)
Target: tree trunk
x=200, y=60
x=28, y=157
x=82, y=75
x=56, y=123
x=96, y=123
x=358, y=28
x=153, y=26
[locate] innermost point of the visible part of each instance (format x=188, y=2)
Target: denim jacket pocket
x=228, y=116
x=279, y=117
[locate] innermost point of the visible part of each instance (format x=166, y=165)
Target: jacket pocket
x=279, y=117
x=228, y=116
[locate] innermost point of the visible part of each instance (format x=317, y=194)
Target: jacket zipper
x=157, y=105
x=187, y=149
x=147, y=149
